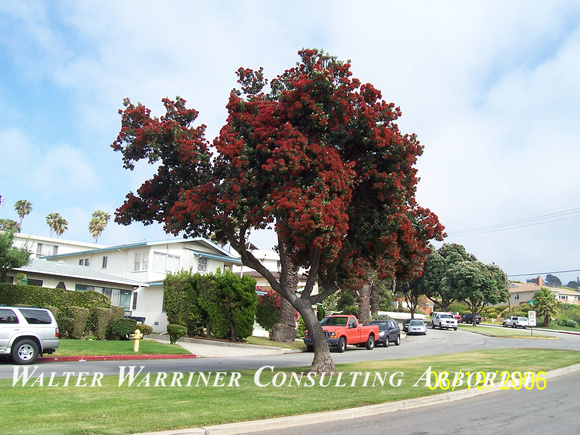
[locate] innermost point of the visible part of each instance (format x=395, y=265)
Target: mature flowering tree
x=314, y=155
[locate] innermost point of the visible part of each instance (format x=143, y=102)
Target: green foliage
x=100, y=322
x=123, y=327
x=51, y=297
x=231, y=304
x=350, y=309
x=346, y=299
x=11, y=257
x=568, y=323
x=145, y=329
x=300, y=327
x=268, y=310
x=176, y=332
x=320, y=313
x=546, y=305
x=79, y=317
x=457, y=307
x=222, y=303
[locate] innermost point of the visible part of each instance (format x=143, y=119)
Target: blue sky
x=490, y=87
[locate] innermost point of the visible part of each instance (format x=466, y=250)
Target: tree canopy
x=313, y=154
x=11, y=257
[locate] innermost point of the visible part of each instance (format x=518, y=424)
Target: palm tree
x=98, y=223
x=56, y=223
x=61, y=225
x=22, y=207
x=546, y=304
x=9, y=225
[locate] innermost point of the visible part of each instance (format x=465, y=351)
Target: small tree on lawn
x=546, y=305
x=314, y=155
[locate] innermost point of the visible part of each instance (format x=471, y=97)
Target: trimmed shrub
x=100, y=322
x=122, y=328
x=145, y=329
x=79, y=317
x=176, y=332
x=268, y=310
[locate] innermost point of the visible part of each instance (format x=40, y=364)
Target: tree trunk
x=285, y=330
x=375, y=297
x=322, y=362
x=364, y=304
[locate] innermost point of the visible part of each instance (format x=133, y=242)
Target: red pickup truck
x=342, y=329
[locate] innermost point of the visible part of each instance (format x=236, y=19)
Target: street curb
x=112, y=357
x=346, y=414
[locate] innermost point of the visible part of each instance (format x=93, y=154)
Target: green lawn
x=121, y=347
x=507, y=332
x=110, y=408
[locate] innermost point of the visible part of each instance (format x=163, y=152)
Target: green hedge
x=79, y=317
x=51, y=297
x=176, y=332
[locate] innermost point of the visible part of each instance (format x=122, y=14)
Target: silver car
x=26, y=333
x=417, y=327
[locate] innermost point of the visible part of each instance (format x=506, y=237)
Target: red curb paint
x=112, y=357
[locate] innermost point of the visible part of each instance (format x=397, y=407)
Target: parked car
x=516, y=322
x=389, y=332
x=417, y=327
x=406, y=324
x=26, y=333
x=444, y=320
x=468, y=318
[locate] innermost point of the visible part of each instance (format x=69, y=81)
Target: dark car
x=406, y=324
x=468, y=318
x=389, y=332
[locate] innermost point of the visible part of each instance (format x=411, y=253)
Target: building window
x=105, y=261
x=61, y=285
x=84, y=262
x=141, y=260
x=135, y=301
x=202, y=264
x=517, y=297
x=46, y=249
x=81, y=288
x=165, y=262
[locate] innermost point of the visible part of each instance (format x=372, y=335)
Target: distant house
x=524, y=292
x=147, y=263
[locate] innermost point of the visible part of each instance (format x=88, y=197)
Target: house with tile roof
x=524, y=292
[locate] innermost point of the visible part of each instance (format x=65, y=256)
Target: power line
x=543, y=273
x=521, y=223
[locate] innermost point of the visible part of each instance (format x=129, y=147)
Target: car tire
x=504, y=325
x=370, y=345
x=24, y=351
x=386, y=343
x=425, y=333
x=398, y=340
x=310, y=348
x=432, y=325
x=455, y=329
x=341, y=346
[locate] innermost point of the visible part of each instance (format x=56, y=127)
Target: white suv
x=515, y=321
x=26, y=333
x=443, y=320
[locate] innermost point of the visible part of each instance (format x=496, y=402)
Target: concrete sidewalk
x=220, y=349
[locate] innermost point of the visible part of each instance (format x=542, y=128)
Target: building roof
x=226, y=255
x=74, y=271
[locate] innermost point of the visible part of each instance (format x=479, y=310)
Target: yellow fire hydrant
x=136, y=336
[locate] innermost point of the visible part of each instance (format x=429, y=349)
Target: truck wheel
x=310, y=348
x=370, y=342
x=341, y=346
x=504, y=325
x=25, y=351
x=398, y=340
x=455, y=329
x=432, y=325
